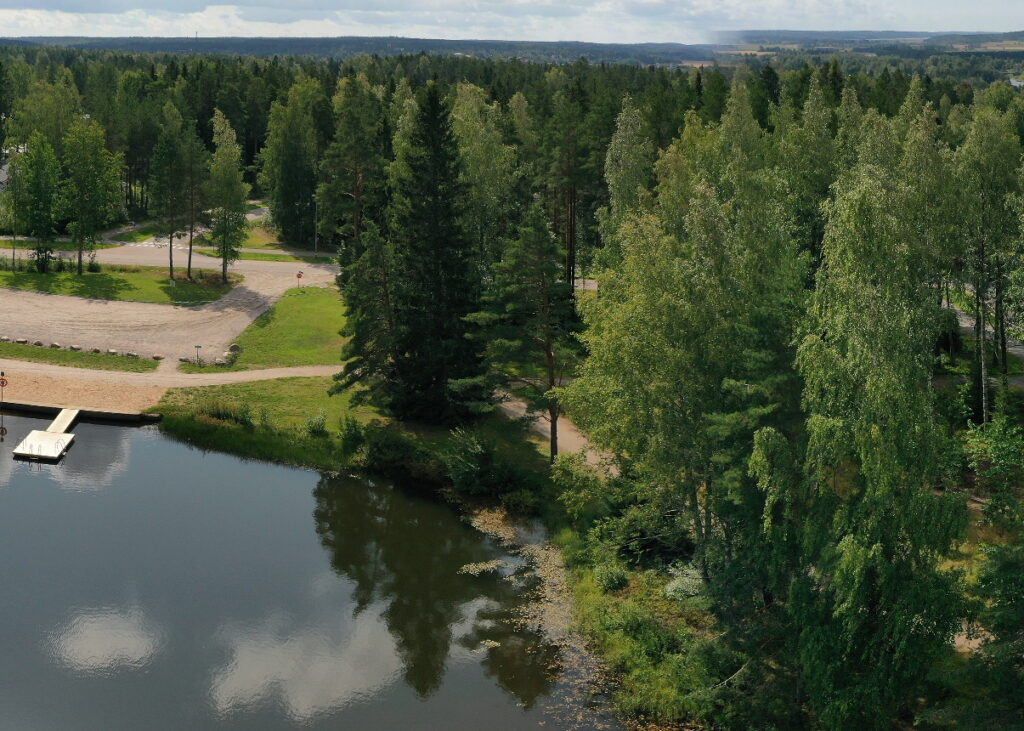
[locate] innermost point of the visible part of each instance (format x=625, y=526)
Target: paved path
x=152, y=328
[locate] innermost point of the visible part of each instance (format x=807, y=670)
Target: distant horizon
x=724, y=32
x=686, y=22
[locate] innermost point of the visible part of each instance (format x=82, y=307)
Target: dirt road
x=151, y=328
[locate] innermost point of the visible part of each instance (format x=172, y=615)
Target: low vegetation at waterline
x=128, y=283
x=76, y=359
x=288, y=420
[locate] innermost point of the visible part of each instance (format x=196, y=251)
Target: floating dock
x=51, y=444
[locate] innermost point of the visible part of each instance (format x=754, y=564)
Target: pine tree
x=168, y=178
x=226, y=193
x=528, y=322
x=352, y=190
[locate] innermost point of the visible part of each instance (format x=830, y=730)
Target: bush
x=388, y=452
x=474, y=466
x=610, y=577
x=316, y=426
x=94, y=266
x=686, y=582
x=240, y=414
x=353, y=436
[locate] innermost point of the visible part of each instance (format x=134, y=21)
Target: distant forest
x=347, y=47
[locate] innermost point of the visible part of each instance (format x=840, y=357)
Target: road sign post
x=299, y=277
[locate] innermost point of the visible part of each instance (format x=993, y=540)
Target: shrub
x=474, y=466
x=353, y=436
x=610, y=577
x=240, y=414
x=388, y=452
x=316, y=426
x=686, y=582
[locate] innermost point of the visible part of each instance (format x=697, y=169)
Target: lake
x=146, y=584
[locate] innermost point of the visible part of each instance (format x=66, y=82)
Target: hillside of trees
x=348, y=46
x=745, y=285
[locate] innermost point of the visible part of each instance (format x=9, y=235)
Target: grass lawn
x=268, y=256
x=142, y=233
x=134, y=284
x=96, y=361
x=287, y=403
x=301, y=329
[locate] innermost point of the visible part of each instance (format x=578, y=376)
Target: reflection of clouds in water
x=106, y=640
x=311, y=669
x=98, y=456
x=95, y=460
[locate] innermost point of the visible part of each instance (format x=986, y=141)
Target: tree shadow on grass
x=33, y=282
x=99, y=286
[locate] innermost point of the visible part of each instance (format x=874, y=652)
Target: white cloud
x=590, y=20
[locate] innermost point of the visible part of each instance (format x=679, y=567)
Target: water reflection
x=105, y=641
x=308, y=670
x=100, y=454
x=403, y=555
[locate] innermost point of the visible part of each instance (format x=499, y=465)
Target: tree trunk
x=553, y=415
x=191, y=234
x=170, y=253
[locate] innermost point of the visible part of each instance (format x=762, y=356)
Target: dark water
x=145, y=585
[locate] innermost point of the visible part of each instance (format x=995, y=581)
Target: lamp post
x=198, y=362
x=316, y=224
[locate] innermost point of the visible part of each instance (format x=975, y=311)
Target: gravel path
x=82, y=388
x=152, y=328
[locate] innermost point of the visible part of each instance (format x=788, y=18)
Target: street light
x=316, y=224
x=198, y=362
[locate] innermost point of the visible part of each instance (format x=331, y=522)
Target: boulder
x=38, y=343
x=234, y=348
x=55, y=346
x=184, y=359
x=5, y=339
x=131, y=354
x=95, y=350
x=158, y=356
x=220, y=362
x=75, y=348
x=111, y=351
x=22, y=341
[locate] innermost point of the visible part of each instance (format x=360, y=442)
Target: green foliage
x=90, y=196
x=288, y=163
x=226, y=193
x=316, y=425
x=427, y=283
x=475, y=467
x=352, y=188
x=33, y=188
x=610, y=577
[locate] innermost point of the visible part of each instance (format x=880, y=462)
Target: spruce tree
x=434, y=276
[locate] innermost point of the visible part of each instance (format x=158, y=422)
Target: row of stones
x=76, y=348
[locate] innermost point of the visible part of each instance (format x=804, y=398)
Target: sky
x=625, y=21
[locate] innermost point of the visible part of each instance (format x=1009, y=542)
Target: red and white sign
x=3, y=383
